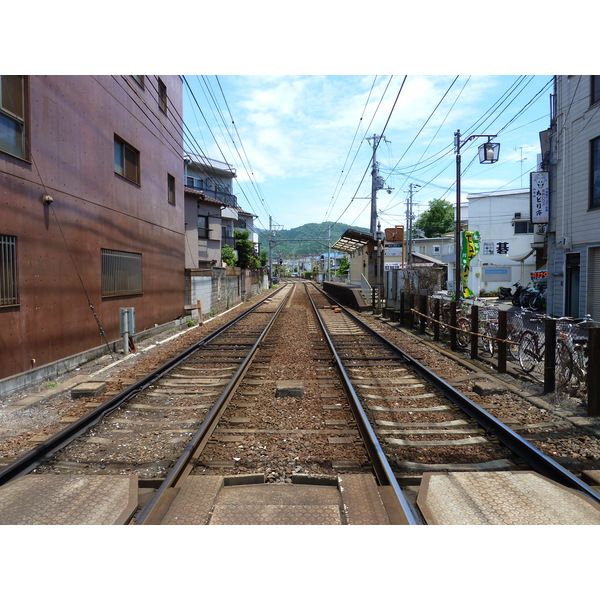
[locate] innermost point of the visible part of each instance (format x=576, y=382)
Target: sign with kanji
x=395, y=234
x=469, y=248
x=539, y=193
x=501, y=247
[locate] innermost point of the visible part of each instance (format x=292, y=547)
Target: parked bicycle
x=532, y=350
x=488, y=332
x=574, y=334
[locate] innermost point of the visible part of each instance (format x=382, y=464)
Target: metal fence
x=557, y=352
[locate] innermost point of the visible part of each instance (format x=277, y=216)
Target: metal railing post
x=423, y=310
x=453, y=342
x=502, y=332
x=474, y=330
x=593, y=373
x=550, y=355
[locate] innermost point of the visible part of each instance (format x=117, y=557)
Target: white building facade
x=508, y=240
x=573, y=163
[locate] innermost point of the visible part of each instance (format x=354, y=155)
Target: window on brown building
x=595, y=91
x=595, y=173
x=162, y=96
x=127, y=161
x=171, y=189
x=13, y=125
x=139, y=79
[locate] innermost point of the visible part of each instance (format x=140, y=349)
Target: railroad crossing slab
x=205, y=500
x=502, y=498
x=68, y=500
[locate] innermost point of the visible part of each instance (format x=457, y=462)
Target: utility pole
x=376, y=183
x=271, y=242
x=409, y=220
x=379, y=268
x=329, y=253
x=270, y=251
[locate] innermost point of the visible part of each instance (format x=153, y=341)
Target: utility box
x=127, y=320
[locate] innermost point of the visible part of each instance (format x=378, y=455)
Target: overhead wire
x=360, y=145
x=519, y=82
x=221, y=119
x=331, y=203
x=203, y=155
x=420, y=130
x=376, y=145
x=249, y=168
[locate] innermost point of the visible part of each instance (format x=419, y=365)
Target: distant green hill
x=303, y=240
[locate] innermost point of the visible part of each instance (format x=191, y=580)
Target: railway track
x=235, y=410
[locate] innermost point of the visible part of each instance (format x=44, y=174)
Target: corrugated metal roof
x=351, y=240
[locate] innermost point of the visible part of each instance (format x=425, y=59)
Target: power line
x=376, y=146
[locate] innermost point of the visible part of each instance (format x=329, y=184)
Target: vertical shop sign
x=539, y=194
x=469, y=248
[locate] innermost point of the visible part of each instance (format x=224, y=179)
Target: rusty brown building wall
x=72, y=123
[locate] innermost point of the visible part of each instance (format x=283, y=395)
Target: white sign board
x=539, y=197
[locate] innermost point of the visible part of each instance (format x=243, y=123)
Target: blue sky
x=299, y=142
x=300, y=84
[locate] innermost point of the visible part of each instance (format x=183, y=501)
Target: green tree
x=438, y=219
x=247, y=258
x=344, y=267
x=228, y=255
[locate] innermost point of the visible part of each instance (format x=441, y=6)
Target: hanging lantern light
x=489, y=152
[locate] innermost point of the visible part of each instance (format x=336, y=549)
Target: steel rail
x=43, y=451
x=176, y=473
x=540, y=462
x=381, y=466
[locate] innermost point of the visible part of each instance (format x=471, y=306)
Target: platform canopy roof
x=351, y=240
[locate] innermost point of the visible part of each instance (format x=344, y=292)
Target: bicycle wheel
x=534, y=302
x=528, y=352
x=580, y=361
x=487, y=343
x=463, y=334
x=564, y=364
x=513, y=348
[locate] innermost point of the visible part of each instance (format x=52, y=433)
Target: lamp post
x=488, y=153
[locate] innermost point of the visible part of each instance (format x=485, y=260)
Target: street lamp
x=488, y=153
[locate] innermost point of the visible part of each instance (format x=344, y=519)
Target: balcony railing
x=224, y=197
x=230, y=241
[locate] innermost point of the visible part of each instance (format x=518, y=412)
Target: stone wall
x=213, y=291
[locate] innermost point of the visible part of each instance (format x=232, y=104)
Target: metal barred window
x=9, y=284
x=121, y=273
